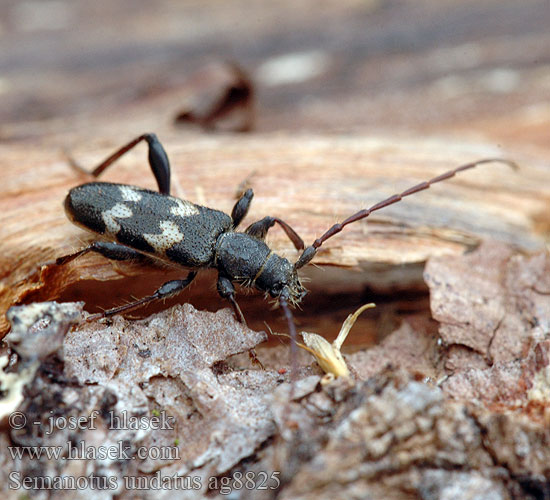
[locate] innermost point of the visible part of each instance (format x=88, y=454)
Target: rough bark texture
x=346, y=103
x=426, y=429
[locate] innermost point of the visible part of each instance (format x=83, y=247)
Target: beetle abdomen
x=153, y=223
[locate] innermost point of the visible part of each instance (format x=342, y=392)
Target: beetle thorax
x=250, y=262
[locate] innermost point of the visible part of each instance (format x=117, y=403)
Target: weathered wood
x=468, y=67
x=309, y=181
x=469, y=410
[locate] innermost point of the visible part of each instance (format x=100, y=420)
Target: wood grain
x=310, y=181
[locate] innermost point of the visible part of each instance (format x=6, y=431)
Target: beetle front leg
x=259, y=230
x=227, y=291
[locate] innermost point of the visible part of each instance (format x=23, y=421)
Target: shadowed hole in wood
x=333, y=294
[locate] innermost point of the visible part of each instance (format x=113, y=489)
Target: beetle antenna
x=310, y=251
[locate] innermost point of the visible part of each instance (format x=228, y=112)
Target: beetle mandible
x=135, y=222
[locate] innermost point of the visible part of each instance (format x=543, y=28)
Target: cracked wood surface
x=309, y=181
x=453, y=399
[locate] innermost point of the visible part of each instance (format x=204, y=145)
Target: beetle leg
x=227, y=291
x=240, y=209
x=259, y=230
x=158, y=160
x=167, y=290
x=113, y=251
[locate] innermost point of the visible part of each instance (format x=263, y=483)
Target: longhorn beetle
x=136, y=222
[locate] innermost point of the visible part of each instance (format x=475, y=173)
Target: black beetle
x=134, y=222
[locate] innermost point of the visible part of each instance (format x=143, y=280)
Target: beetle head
x=280, y=278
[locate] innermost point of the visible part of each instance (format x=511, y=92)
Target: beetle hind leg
x=110, y=250
x=169, y=289
x=158, y=161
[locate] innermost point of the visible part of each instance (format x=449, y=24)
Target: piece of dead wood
x=310, y=182
x=492, y=304
x=419, y=430
x=490, y=347
x=164, y=367
x=223, y=99
x=430, y=67
x=393, y=437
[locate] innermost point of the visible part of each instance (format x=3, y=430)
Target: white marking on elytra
x=170, y=235
x=119, y=211
x=183, y=208
x=129, y=194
